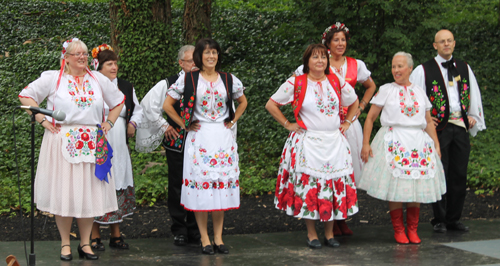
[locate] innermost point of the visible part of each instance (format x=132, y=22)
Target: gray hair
x=184, y=49
x=409, y=59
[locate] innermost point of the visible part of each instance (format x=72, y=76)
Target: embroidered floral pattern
x=205, y=185
x=325, y=106
x=81, y=141
x=83, y=97
x=212, y=100
x=217, y=160
x=188, y=111
x=101, y=153
x=465, y=96
x=438, y=101
x=410, y=110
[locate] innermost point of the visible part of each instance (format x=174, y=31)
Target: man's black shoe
x=180, y=240
x=458, y=226
x=440, y=228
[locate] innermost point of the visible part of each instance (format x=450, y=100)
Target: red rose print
x=205, y=185
x=91, y=145
x=285, y=176
x=337, y=204
x=282, y=199
x=213, y=162
x=297, y=204
x=325, y=209
x=291, y=194
x=304, y=179
x=312, y=199
x=221, y=185
x=339, y=186
x=85, y=137
x=79, y=144
x=318, y=185
x=352, y=197
x=293, y=160
x=278, y=182
x=352, y=178
x=186, y=182
x=329, y=183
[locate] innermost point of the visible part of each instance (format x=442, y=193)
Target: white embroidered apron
x=78, y=143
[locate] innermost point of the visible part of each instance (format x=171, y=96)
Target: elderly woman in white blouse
x=403, y=162
x=67, y=183
x=211, y=168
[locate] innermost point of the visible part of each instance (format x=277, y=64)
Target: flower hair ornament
x=65, y=45
x=95, y=53
x=336, y=26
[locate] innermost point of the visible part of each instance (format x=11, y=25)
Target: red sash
x=300, y=88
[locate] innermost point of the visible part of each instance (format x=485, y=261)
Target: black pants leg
x=183, y=222
x=455, y=150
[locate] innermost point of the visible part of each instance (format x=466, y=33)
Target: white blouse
x=211, y=97
x=136, y=115
x=320, y=109
x=83, y=105
x=363, y=72
x=402, y=106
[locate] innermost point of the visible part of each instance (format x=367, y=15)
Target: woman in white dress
x=313, y=178
x=211, y=168
x=70, y=179
x=406, y=165
x=105, y=61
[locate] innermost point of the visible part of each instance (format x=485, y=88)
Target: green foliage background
x=263, y=43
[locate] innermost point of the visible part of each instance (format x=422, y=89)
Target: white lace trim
x=148, y=141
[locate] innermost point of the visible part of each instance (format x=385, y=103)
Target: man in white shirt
x=456, y=111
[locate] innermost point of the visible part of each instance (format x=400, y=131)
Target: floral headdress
x=336, y=26
x=65, y=45
x=96, y=51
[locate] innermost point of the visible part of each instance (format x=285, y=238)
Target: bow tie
x=452, y=72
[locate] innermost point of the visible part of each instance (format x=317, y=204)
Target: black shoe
x=88, y=256
x=208, y=250
x=221, y=249
x=440, y=228
x=313, y=243
x=117, y=242
x=98, y=244
x=180, y=240
x=457, y=226
x=332, y=242
x=66, y=257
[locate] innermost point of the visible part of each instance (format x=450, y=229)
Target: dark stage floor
x=371, y=245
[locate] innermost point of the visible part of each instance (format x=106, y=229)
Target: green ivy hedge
x=262, y=48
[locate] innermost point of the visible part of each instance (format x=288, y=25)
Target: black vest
x=170, y=145
x=127, y=89
x=438, y=95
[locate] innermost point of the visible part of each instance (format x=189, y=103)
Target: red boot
x=336, y=229
x=399, y=227
x=343, y=228
x=412, y=215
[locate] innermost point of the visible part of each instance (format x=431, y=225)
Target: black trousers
x=455, y=150
x=184, y=222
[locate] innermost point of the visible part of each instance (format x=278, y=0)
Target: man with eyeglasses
x=456, y=110
x=156, y=130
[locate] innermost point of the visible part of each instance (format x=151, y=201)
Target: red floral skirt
x=126, y=207
x=309, y=197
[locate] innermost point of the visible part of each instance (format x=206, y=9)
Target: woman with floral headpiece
x=313, y=177
x=73, y=174
x=106, y=62
x=353, y=71
x=403, y=161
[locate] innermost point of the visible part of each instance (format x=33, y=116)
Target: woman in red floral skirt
x=313, y=178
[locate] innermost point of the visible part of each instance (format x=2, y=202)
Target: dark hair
x=330, y=34
x=104, y=56
x=315, y=49
x=201, y=45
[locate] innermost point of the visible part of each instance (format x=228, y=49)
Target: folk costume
x=405, y=166
x=454, y=93
x=150, y=134
x=211, y=171
x=66, y=183
x=352, y=71
x=122, y=164
x=313, y=177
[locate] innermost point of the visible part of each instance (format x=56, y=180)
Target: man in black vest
x=184, y=227
x=456, y=111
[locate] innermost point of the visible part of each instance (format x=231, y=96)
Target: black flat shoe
x=117, y=242
x=180, y=240
x=221, y=249
x=208, y=250
x=88, y=256
x=98, y=244
x=66, y=257
x=332, y=242
x=313, y=243
x=439, y=228
x=457, y=226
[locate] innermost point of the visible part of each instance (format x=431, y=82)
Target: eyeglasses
x=210, y=53
x=190, y=61
x=445, y=41
x=80, y=54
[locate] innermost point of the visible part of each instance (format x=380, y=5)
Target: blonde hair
x=72, y=46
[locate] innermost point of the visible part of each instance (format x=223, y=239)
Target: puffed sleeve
x=137, y=114
x=177, y=89
x=42, y=87
x=363, y=72
x=347, y=94
x=237, y=87
x=476, y=105
x=299, y=71
x=111, y=94
x=284, y=95
x=417, y=77
x=381, y=96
